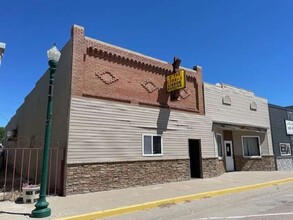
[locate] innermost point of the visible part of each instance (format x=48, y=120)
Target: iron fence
x=19, y=166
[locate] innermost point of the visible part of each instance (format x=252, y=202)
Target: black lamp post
x=42, y=209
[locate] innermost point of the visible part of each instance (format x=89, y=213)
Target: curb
x=180, y=199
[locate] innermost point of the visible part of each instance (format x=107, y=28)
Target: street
x=271, y=202
x=267, y=203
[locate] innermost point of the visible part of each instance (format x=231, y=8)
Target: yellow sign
x=176, y=81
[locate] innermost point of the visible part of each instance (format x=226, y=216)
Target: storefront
x=241, y=128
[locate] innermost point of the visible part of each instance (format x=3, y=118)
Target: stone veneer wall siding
x=84, y=178
x=284, y=163
x=265, y=163
x=212, y=167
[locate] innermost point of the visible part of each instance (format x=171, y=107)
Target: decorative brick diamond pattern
x=184, y=93
x=149, y=86
x=107, y=77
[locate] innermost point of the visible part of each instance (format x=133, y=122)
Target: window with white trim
x=152, y=145
x=250, y=146
x=219, y=141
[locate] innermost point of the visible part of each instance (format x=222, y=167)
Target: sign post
x=176, y=81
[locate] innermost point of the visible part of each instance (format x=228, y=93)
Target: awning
x=238, y=127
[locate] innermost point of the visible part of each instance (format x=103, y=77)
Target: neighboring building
x=282, y=134
x=241, y=128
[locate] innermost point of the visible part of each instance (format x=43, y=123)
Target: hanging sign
x=285, y=149
x=176, y=81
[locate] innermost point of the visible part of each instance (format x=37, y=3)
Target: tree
x=1, y=133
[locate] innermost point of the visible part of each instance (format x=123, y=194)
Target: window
x=152, y=145
x=219, y=145
x=250, y=146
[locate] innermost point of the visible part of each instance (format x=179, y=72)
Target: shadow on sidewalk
x=15, y=213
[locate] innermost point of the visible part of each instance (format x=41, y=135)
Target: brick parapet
x=101, y=70
x=78, y=51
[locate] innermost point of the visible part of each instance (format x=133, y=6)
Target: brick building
x=114, y=117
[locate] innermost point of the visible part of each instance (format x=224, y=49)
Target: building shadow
x=164, y=113
x=163, y=96
x=15, y=213
x=163, y=119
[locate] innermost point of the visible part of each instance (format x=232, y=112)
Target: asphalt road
x=271, y=203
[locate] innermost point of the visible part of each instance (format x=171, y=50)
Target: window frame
x=152, y=147
x=219, y=134
x=259, y=146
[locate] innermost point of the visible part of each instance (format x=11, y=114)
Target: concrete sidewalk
x=93, y=202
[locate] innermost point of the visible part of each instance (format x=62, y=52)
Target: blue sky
x=248, y=43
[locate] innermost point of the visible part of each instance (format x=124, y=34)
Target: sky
x=247, y=44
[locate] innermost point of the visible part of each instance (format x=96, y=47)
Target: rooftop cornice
x=123, y=56
x=229, y=88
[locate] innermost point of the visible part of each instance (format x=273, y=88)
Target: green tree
x=1, y=133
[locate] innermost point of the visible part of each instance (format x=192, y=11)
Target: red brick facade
x=103, y=71
x=108, y=72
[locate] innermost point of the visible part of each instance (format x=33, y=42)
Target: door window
x=228, y=150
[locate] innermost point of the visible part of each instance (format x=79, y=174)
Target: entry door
x=229, y=155
x=195, y=158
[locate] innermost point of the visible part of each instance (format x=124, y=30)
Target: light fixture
x=53, y=54
x=2, y=49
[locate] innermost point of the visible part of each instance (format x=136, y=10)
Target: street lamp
x=42, y=209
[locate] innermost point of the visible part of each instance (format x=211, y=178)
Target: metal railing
x=20, y=166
